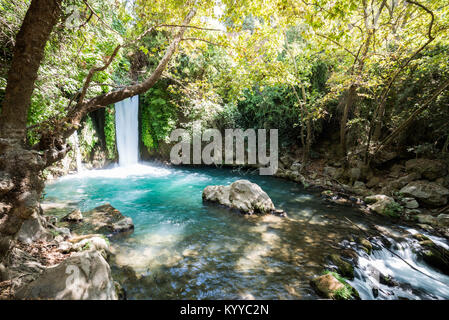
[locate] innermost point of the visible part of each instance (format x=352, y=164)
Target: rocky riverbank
x=65, y=257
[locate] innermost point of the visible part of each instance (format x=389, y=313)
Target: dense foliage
x=297, y=66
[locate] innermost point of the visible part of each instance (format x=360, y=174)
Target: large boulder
x=428, y=169
x=104, y=219
x=242, y=195
x=380, y=203
x=84, y=276
x=428, y=193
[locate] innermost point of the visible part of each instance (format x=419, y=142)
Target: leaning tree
x=21, y=165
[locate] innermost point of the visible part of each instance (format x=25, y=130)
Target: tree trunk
x=41, y=17
x=349, y=101
x=20, y=169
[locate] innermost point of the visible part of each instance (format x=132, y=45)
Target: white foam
x=135, y=170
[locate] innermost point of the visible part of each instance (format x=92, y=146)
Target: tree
x=21, y=166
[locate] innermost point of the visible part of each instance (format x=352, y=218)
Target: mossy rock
x=344, y=267
x=365, y=244
x=435, y=256
x=331, y=285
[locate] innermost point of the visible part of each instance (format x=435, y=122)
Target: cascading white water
x=76, y=146
x=127, y=130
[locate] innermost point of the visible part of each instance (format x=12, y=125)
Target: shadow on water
x=184, y=249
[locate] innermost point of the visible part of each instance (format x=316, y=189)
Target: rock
x=373, y=182
x=242, y=195
x=286, y=161
x=403, y=181
x=426, y=219
x=330, y=171
x=34, y=229
x=395, y=170
x=344, y=268
x=65, y=247
x=380, y=203
x=93, y=243
x=428, y=193
x=429, y=169
x=74, y=216
x=104, y=219
x=412, y=211
x=296, y=166
x=355, y=174
x=365, y=244
x=326, y=285
x=443, y=220
x=409, y=203
x=434, y=255
x=359, y=185
x=6, y=183
x=420, y=237
x=83, y=276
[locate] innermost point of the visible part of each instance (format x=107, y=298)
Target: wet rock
x=83, y=276
x=380, y=203
x=242, y=195
x=420, y=237
x=74, y=216
x=409, y=203
x=427, y=168
x=344, y=267
x=434, y=255
x=428, y=193
x=365, y=244
x=104, y=219
x=387, y=280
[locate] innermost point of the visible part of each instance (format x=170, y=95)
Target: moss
x=393, y=210
x=344, y=268
x=345, y=293
x=109, y=132
x=366, y=245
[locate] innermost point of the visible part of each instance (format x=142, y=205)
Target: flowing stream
x=184, y=249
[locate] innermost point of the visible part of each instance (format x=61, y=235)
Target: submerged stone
x=104, y=219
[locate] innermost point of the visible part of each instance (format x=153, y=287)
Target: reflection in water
x=184, y=249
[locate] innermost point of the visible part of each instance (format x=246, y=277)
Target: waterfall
x=127, y=130
x=76, y=146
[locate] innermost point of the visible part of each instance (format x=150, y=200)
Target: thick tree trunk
x=20, y=168
x=36, y=28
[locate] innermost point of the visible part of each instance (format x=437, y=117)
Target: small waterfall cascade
x=127, y=130
x=76, y=146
